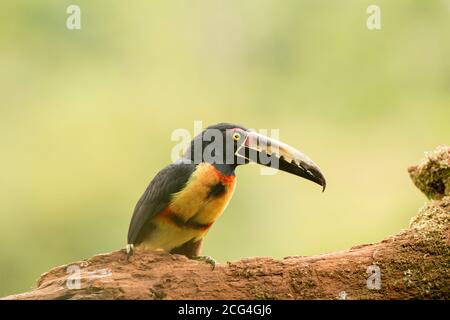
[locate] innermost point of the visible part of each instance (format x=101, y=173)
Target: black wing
x=157, y=196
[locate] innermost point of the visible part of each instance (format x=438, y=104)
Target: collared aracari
x=185, y=198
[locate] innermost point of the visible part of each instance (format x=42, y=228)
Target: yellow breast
x=193, y=210
x=196, y=201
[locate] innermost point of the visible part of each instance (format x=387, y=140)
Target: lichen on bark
x=432, y=175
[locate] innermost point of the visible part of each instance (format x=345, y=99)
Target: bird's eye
x=236, y=136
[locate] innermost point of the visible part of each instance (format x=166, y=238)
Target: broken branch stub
x=432, y=175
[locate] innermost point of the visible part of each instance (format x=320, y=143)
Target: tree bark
x=414, y=264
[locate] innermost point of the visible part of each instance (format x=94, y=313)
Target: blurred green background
x=86, y=118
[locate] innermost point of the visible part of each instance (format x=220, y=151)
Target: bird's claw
x=130, y=251
x=206, y=259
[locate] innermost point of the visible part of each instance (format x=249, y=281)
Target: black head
x=217, y=144
x=228, y=145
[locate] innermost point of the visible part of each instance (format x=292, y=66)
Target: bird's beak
x=276, y=154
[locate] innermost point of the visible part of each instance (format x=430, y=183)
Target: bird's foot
x=130, y=251
x=206, y=259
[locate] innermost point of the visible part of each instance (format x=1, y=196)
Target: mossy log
x=414, y=264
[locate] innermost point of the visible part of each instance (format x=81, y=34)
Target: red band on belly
x=168, y=216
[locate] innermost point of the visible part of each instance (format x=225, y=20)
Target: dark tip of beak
x=304, y=170
x=321, y=179
x=316, y=176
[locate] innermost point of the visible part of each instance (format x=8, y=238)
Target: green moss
x=158, y=294
x=432, y=175
x=260, y=294
x=434, y=216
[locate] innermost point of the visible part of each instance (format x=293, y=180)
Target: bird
x=185, y=198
